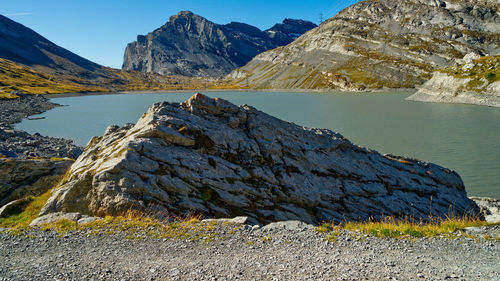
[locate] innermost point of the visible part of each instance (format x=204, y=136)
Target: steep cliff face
x=382, y=43
x=191, y=45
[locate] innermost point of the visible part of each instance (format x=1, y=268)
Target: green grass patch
x=486, y=71
x=24, y=217
x=491, y=77
x=324, y=228
x=392, y=228
x=330, y=229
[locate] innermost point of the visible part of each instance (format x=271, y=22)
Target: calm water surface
x=465, y=138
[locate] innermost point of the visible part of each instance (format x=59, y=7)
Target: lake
x=465, y=138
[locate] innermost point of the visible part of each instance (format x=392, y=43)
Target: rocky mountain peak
x=191, y=45
x=184, y=17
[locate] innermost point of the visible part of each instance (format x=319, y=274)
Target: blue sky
x=99, y=30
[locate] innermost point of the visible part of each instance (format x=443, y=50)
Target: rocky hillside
x=191, y=45
x=211, y=157
x=379, y=43
x=475, y=81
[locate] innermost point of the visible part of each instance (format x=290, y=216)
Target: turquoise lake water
x=464, y=138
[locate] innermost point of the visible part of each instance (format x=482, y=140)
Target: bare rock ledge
x=213, y=158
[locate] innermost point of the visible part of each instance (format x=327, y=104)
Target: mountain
x=379, y=43
x=30, y=63
x=286, y=32
x=22, y=45
x=191, y=45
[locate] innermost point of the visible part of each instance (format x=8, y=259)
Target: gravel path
x=299, y=254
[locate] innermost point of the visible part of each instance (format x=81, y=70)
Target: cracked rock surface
x=217, y=159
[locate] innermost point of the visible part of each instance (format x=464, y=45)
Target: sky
x=99, y=30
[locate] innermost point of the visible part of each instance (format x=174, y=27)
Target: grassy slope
x=485, y=72
x=17, y=77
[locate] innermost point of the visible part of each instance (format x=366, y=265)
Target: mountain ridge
x=191, y=45
x=32, y=64
x=378, y=44
x=23, y=45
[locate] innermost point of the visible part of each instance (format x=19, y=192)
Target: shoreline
x=18, y=144
x=80, y=94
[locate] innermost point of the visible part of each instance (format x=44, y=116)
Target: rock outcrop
x=20, y=178
x=211, y=157
x=475, y=81
x=191, y=45
x=379, y=43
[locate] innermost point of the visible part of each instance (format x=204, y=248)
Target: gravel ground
x=246, y=254
x=14, y=143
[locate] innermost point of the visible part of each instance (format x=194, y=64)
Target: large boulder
x=211, y=157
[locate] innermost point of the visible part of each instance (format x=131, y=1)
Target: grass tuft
x=22, y=218
x=393, y=228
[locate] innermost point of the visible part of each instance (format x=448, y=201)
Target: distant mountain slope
x=29, y=63
x=16, y=77
x=379, y=43
x=191, y=45
x=23, y=45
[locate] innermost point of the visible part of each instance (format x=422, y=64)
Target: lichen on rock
x=217, y=159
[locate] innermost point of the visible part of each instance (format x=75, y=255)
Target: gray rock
x=472, y=230
x=255, y=227
x=5, y=210
x=194, y=157
x=490, y=208
x=287, y=225
x=86, y=220
x=481, y=231
x=191, y=45
x=236, y=220
x=55, y=217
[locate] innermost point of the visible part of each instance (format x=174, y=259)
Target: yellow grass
x=17, y=77
x=405, y=229
x=22, y=218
